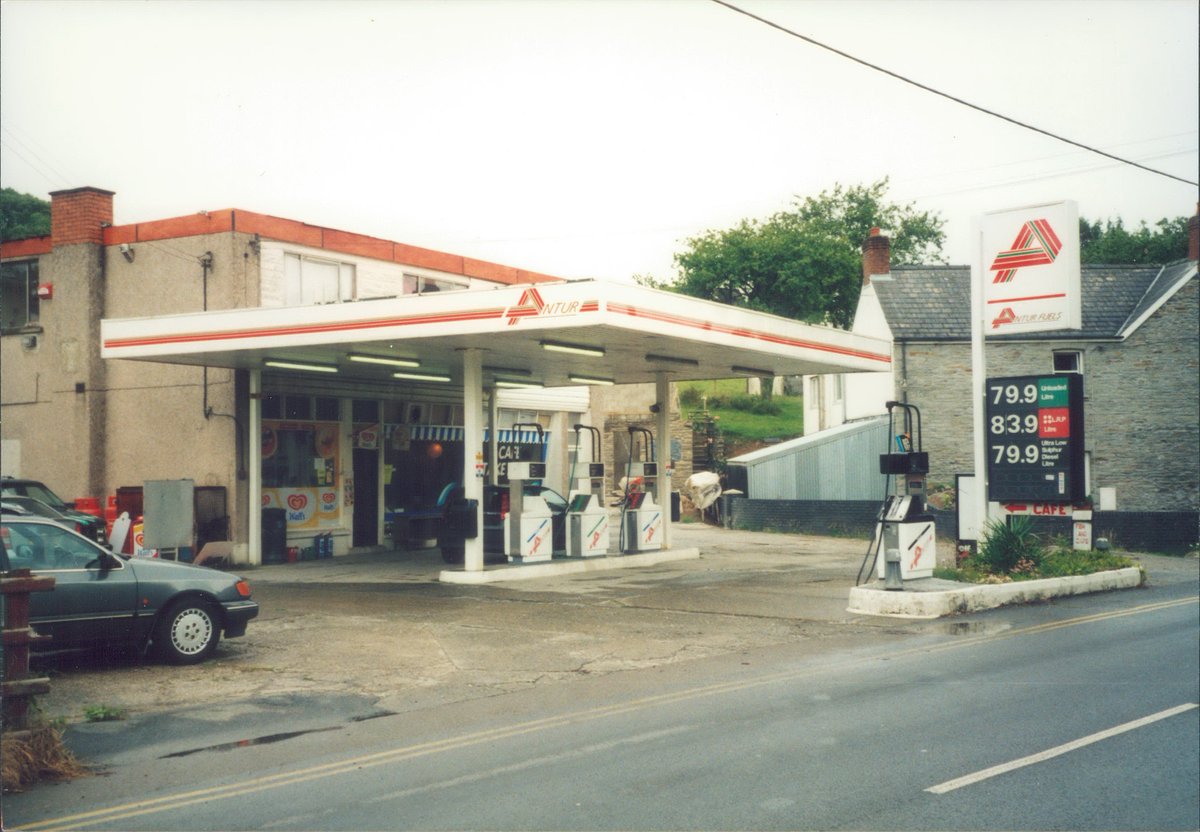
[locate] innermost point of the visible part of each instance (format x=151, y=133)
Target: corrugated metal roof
x=841, y=463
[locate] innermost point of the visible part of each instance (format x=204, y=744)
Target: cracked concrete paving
x=379, y=625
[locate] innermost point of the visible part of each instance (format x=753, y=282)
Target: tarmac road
x=369, y=634
x=852, y=724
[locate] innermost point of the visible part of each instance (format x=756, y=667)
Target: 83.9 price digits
x=1014, y=423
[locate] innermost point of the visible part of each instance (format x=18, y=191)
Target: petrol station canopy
x=551, y=335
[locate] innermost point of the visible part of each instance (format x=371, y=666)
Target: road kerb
x=936, y=603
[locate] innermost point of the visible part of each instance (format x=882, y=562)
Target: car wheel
x=188, y=632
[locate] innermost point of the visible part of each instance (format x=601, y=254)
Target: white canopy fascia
x=640, y=331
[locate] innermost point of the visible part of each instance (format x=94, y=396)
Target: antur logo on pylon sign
x=1030, y=258
x=1036, y=245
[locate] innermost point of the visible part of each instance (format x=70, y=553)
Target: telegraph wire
x=946, y=95
x=28, y=146
x=54, y=183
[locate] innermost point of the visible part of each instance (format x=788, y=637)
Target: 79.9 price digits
x=1015, y=454
x=1014, y=393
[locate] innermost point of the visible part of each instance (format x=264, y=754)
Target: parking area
x=381, y=625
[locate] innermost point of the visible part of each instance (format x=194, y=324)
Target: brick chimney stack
x=79, y=215
x=1194, y=235
x=877, y=255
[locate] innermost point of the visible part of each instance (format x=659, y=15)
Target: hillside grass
x=727, y=401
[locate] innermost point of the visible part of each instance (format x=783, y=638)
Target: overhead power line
x=955, y=99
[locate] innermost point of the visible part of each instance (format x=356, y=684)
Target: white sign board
x=1031, y=269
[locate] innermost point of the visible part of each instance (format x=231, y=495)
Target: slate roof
x=933, y=303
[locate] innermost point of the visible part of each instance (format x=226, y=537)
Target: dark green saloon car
x=100, y=597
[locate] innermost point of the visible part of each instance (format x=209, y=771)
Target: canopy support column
x=472, y=475
x=254, y=475
x=662, y=429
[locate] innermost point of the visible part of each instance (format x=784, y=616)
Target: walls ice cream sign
x=1031, y=257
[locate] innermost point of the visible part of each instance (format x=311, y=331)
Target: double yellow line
x=181, y=800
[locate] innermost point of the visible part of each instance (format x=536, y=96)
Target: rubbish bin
x=460, y=521
x=274, y=535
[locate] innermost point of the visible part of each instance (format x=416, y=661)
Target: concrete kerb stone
x=551, y=568
x=930, y=598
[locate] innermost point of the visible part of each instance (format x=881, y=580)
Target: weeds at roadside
x=103, y=713
x=37, y=754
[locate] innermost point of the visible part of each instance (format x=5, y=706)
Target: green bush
x=690, y=397
x=755, y=404
x=1011, y=547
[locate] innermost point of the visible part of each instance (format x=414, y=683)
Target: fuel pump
x=529, y=524
x=641, y=518
x=587, y=519
x=905, y=530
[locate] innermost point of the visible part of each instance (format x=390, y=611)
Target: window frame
x=1078, y=362
x=31, y=317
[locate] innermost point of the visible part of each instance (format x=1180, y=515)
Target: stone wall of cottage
x=1142, y=404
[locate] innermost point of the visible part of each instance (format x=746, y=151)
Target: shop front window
x=300, y=471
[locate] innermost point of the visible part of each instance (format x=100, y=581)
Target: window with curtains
x=311, y=280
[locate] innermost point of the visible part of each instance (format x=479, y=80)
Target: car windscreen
x=39, y=492
x=47, y=546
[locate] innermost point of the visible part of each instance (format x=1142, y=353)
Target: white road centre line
x=967, y=780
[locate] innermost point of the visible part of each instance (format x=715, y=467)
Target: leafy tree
x=22, y=215
x=805, y=262
x=1112, y=243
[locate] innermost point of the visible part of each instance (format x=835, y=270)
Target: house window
x=1068, y=361
x=18, y=295
x=415, y=284
x=839, y=388
x=309, y=280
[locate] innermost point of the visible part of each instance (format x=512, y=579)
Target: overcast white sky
x=588, y=139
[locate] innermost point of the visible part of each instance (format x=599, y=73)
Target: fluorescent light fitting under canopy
x=607, y=382
x=752, y=371
x=299, y=365
x=513, y=383
x=508, y=371
x=383, y=359
x=672, y=359
x=422, y=376
x=574, y=349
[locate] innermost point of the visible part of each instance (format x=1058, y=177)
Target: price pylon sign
x=1034, y=429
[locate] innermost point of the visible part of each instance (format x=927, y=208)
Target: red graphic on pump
x=916, y=558
x=651, y=527
x=536, y=537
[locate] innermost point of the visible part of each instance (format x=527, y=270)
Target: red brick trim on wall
x=313, y=236
x=29, y=247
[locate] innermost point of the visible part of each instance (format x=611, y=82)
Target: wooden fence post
x=18, y=687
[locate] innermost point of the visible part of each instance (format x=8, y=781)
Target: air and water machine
x=641, y=517
x=587, y=518
x=905, y=530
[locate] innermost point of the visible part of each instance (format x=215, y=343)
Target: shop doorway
x=366, y=497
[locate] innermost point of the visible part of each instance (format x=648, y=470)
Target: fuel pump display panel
x=1034, y=428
